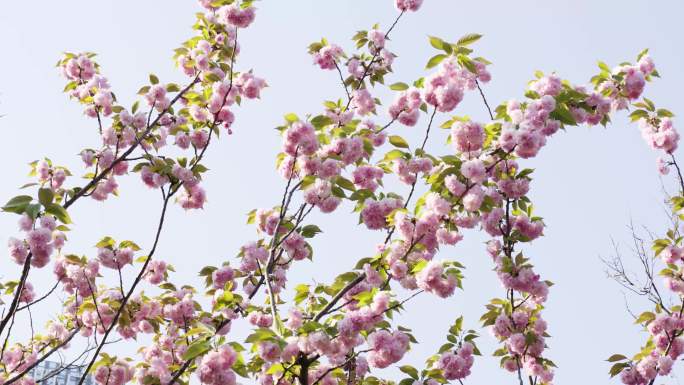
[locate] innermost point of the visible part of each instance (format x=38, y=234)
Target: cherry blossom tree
x=342, y=331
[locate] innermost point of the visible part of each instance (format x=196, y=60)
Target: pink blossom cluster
x=523, y=334
x=118, y=373
x=115, y=258
x=41, y=239
x=215, y=367
x=387, y=347
x=374, y=213
x=252, y=255
x=661, y=135
x=87, y=85
x=16, y=359
x=48, y=174
x=260, y=319
x=159, y=356
x=406, y=107
x=535, y=125
x=363, y=102
x=367, y=177
x=77, y=277
x=328, y=56
x=408, y=5
x=467, y=136
x=155, y=272
x=521, y=278
x=237, y=16
x=300, y=138
x=668, y=349
x=320, y=195
x=181, y=308
x=143, y=313
x=349, y=150
x=444, y=88
x=250, y=86
x=382, y=61
x=433, y=279
x=408, y=171
x=192, y=197
x=27, y=294
x=296, y=247
x=363, y=319
x=457, y=365
x=97, y=318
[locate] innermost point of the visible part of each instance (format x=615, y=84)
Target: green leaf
x=310, y=231
x=617, y=368
x=33, y=210
x=436, y=42
x=435, y=60
x=302, y=293
x=154, y=79
x=398, y=141
x=399, y=86
x=130, y=244
x=638, y=114
x=649, y=104
x=410, y=370
x=212, y=77
x=59, y=212
x=45, y=196
x=663, y=113
x=645, y=317
x=345, y=183
x=261, y=334
x=172, y=87
x=320, y=121
x=291, y=117
x=468, y=39
x=564, y=115
x=195, y=349
x=392, y=155
x=17, y=204
x=616, y=357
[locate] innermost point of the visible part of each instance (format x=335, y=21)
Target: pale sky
x=589, y=183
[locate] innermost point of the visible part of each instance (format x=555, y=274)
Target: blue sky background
x=589, y=183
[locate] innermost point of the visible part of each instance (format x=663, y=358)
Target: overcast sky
x=589, y=183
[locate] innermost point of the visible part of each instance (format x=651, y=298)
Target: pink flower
x=443, y=92
x=547, y=85
x=326, y=58
x=215, y=367
x=431, y=279
x=663, y=166
x=474, y=170
x=17, y=250
x=367, y=177
x=363, y=101
x=387, y=348
x=374, y=213
x=234, y=15
x=467, y=136
x=156, y=272
x=193, y=197
x=405, y=107
x=408, y=5
x=300, y=139
x=249, y=85
x=457, y=366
